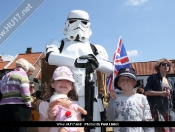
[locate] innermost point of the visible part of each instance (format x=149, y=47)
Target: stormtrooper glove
x=89, y=62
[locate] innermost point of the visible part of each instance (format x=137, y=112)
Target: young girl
x=128, y=106
x=62, y=83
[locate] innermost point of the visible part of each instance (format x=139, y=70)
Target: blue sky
x=147, y=27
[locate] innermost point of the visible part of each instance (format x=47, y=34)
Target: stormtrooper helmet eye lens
x=72, y=21
x=84, y=22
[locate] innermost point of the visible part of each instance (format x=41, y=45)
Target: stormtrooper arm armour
x=53, y=54
x=104, y=64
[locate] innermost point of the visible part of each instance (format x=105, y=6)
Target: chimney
x=1, y=59
x=29, y=50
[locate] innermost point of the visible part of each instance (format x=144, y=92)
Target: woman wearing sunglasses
x=160, y=92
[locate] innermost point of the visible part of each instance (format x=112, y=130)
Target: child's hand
x=51, y=113
x=85, y=112
x=54, y=103
x=113, y=93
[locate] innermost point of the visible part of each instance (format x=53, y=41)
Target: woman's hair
x=50, y=91
x=23, y=64
x=140, y=91
x=158, y=63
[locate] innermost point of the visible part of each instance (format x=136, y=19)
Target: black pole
x=89, y=99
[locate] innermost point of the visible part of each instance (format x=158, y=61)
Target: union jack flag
x=120, y=60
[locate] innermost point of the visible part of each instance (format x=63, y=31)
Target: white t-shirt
x=129, y=108
x=43, y=107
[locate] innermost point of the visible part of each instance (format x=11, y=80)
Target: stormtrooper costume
x=68, y=52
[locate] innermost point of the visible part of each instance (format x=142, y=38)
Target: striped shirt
x=15, y=88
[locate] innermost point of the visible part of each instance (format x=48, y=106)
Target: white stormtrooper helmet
x=78, y=26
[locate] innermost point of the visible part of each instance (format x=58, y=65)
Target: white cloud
x=7, y=57
x=136, y=2
x=132, y=53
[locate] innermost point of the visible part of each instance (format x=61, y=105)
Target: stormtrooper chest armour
x=76, y=48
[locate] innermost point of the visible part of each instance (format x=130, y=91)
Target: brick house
x=2, y=65
x=32, y=57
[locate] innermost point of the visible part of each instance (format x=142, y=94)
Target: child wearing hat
x=61, y=86
x=128, y=106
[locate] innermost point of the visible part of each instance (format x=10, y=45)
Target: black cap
x=129, y=72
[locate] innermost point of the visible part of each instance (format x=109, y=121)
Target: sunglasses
x=164, y=64
x=32, y=87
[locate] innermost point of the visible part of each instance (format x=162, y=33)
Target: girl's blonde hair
x=158, y=63
x=50, y=91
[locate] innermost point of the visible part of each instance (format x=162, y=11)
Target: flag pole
x=120, y=60
x=120, y=38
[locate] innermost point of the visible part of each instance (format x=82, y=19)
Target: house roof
x=3, y=64
x=147, y=68
x=31, y=57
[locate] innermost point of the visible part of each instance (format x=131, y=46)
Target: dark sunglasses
x=32, y=87
x=31, y=82
x=164, y=64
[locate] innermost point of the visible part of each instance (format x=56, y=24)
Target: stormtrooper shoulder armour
x=102, y=54
x=104, y=64
x=53, y=45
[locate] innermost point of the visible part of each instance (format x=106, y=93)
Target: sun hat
x=63, y=72
x=129, y=72
x=57, y=96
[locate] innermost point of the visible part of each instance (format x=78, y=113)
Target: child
x=128, y=106
x=62, y=83
x=65, y=110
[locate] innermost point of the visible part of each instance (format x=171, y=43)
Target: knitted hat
x=31, y=67
x=22, y=63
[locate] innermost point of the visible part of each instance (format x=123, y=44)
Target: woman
x=161, y=93
x=16, y=100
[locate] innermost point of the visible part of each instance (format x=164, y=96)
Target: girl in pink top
x=62, y=83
